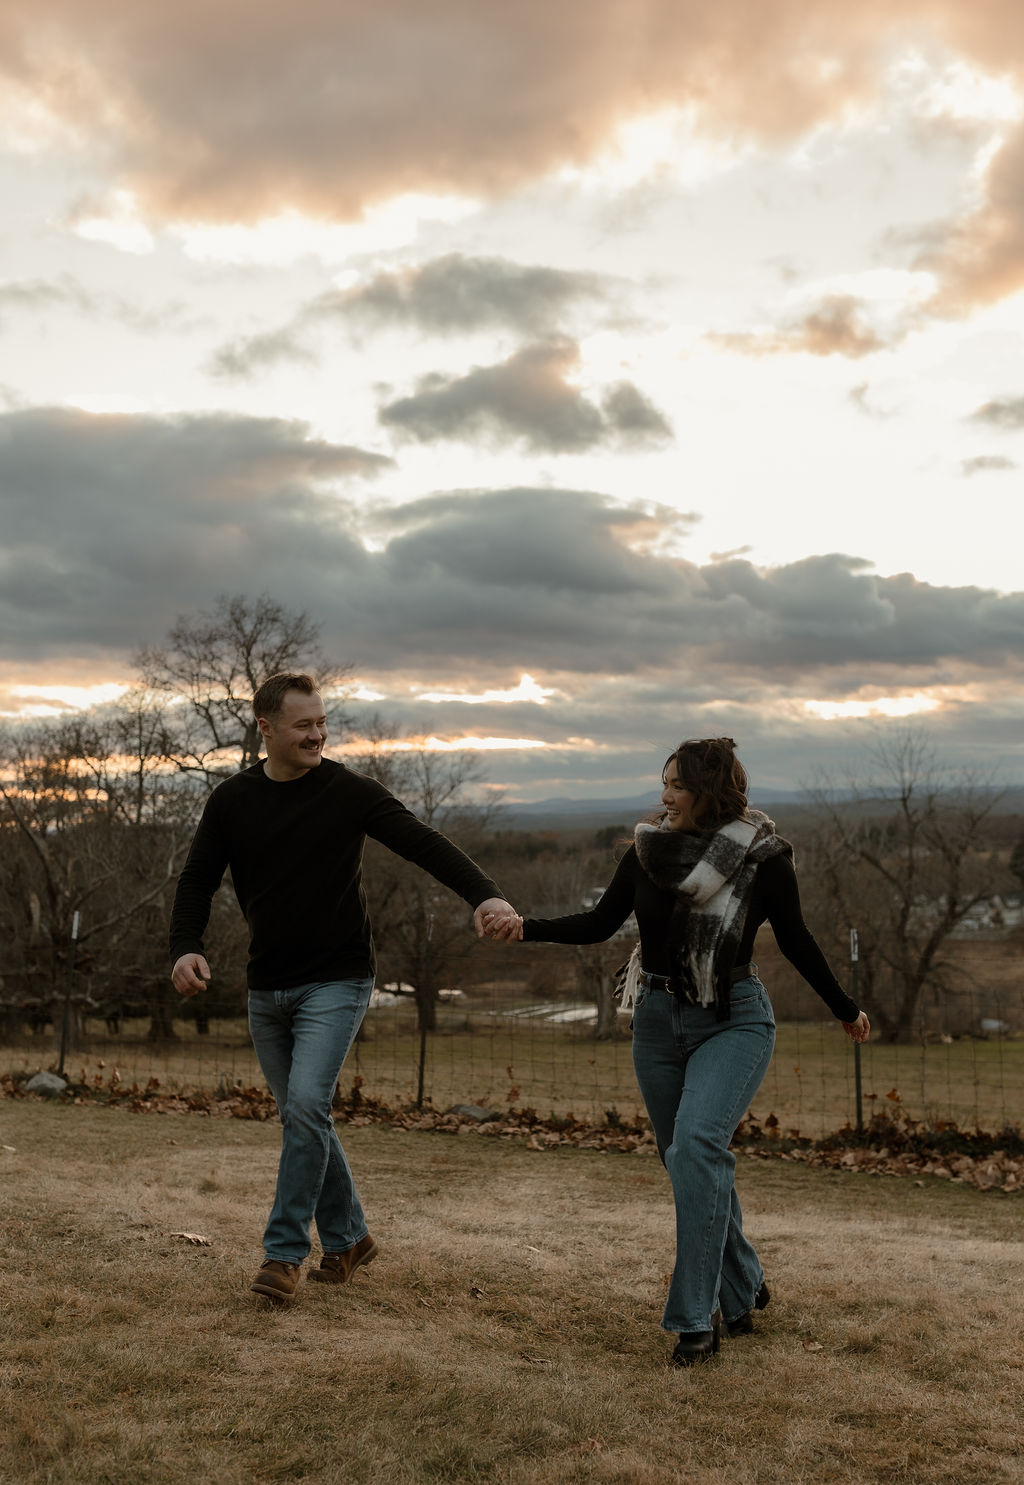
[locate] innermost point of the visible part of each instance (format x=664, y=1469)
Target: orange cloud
x=983, y=258
x=234, y=111
x=836, y=327
x=246, y=108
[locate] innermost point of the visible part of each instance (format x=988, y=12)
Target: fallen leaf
x=529, y=1246
x=195, y=1239
x=476, y=1291
x=813, y=1346
x=9, y=1147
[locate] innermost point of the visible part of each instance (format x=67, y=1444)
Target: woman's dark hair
x=709, y=768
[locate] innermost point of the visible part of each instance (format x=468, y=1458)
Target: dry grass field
x=507, y=1332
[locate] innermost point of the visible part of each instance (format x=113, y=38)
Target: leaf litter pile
x=892, y=1143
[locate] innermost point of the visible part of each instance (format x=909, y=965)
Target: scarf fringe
x=629, y=982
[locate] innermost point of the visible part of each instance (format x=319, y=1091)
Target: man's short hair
x=269, y=697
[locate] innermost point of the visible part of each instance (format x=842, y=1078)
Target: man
x=291, y=830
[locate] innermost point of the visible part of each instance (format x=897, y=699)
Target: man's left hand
x=497, y=918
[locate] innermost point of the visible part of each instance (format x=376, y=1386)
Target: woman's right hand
x=859, y=1030
x=508, y=927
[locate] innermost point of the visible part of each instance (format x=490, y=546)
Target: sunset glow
x=49, y=701
x=527, y=690
x=882, y=706
x=467, y=744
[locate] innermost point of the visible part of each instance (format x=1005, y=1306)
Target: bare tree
x=901, y=856
x=1017, y=861
x=91, y=824
x=210, y=666
x=421, y=929
x=572, y=883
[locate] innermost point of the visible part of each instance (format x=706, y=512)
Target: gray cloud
x=860, y=397
x=112, y=526
x=550, y=545
x=633, y=416
x=527, y=398
x=42, y=294
x=246, y=356
x=986, y=463
x=451, y=295
x=1002, y=412
x=65, y=293
x=455, y=294
x=103, y=517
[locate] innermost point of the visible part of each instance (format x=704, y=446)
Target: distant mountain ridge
x=565, y=805
x=566, y=813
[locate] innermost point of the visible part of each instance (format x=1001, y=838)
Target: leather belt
x=660, y=982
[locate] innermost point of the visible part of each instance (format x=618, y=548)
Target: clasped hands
x=498, y=919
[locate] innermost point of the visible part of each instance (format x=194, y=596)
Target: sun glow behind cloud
x=957, y=91
x=880, y=706
x=54, y=701
x=527, y=690
x=666, y=144
x=103, y=404
x=285, y=239
x=119, y=225
x=468, y=744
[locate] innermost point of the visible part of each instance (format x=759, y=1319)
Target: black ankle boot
x=745, y=1324
x=699, y=1345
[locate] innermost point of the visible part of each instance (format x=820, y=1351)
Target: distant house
x=590, y=900
x=1000, y=911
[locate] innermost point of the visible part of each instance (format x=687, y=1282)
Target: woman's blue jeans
x=302, y=1036
x=697, y=1076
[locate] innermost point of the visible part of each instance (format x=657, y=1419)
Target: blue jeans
x=697, y=1076
x=302, y=1036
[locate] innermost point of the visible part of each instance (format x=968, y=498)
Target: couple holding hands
x=701, y=881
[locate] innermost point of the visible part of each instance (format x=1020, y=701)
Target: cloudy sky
x=597, y=374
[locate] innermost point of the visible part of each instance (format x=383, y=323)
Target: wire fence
x=500, y=1047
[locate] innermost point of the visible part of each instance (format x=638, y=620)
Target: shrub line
x=893, y=1143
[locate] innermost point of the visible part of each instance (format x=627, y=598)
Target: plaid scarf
x=713, y=879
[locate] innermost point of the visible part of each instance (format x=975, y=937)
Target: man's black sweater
x=776, y=899
x=295, y=853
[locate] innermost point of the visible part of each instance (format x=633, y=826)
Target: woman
x=701, y=882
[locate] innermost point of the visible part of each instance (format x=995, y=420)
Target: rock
x=474, y=1111
x=46, y=1083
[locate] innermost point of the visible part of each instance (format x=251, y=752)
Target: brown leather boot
x=276, y=1280
x=338, y=1268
